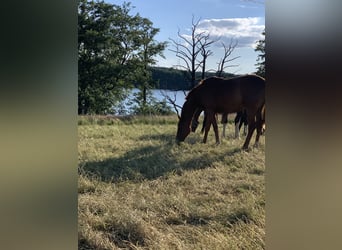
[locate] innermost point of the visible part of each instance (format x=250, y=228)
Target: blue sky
x=241, y=20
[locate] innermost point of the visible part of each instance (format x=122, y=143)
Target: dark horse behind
x=240, y=119
x=218, y=95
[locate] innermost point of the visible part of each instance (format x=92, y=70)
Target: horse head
x=183, y=131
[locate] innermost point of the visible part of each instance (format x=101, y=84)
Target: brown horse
x=240, y=119
x=218, y=95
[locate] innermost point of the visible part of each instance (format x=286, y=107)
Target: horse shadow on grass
x=166, y=138
x=150, y=162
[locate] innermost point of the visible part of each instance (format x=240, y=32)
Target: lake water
x=159, y=94
x=178, y=96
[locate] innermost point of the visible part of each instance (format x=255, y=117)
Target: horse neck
x=188, y=111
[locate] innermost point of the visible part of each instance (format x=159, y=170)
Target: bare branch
x=205, y=42
x=190, y=47
x=172, y=101
x=230, y=66
x=228, y=50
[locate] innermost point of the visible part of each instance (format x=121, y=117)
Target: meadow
x=138, y=189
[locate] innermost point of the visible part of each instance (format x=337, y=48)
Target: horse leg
x=263, y=114
x=263, y=130
x=251, y=128
x=224, y=121
x=210, y=119
x=204, y=122
x=237, y=121
x=245, y=125
x=259, y=124
x=237, y=130
x=216, y=131
x=258, y=129
x=224, y=130
x=245, y=122
x=206, y=125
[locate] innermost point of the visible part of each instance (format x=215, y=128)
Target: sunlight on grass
x=138, y=189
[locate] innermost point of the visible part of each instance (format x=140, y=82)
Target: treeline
x=175, y=79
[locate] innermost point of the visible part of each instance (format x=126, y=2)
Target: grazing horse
x=240, y=119
x=195, y=122
x=218, y=95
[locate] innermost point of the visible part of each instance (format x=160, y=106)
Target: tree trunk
x=144, y=95
x=203, y=68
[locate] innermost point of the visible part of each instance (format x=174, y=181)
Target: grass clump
x=138, y=189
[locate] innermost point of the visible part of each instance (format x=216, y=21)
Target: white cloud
x=254, y=1
x=246, y=6
x=245, y=30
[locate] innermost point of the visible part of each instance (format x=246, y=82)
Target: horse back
x=231, y=95
x=253, y=89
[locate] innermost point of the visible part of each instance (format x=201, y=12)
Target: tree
x=261, y=57
x=228, y=50
x=110, y=47
x=189, y=48
x=94, y=57
x=205, y=52
x=149, y=48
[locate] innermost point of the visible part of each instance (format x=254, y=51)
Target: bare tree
x=205, y=52
x=194, y=50
x=228, y=50
x=189, y=48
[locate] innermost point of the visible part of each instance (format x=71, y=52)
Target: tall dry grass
x=140, y=190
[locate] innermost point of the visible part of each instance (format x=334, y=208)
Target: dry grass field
x=138, y=189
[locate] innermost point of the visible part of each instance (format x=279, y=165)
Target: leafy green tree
x=110, y=45
x=261, y=57
x=96, y=65
x=146, y=55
